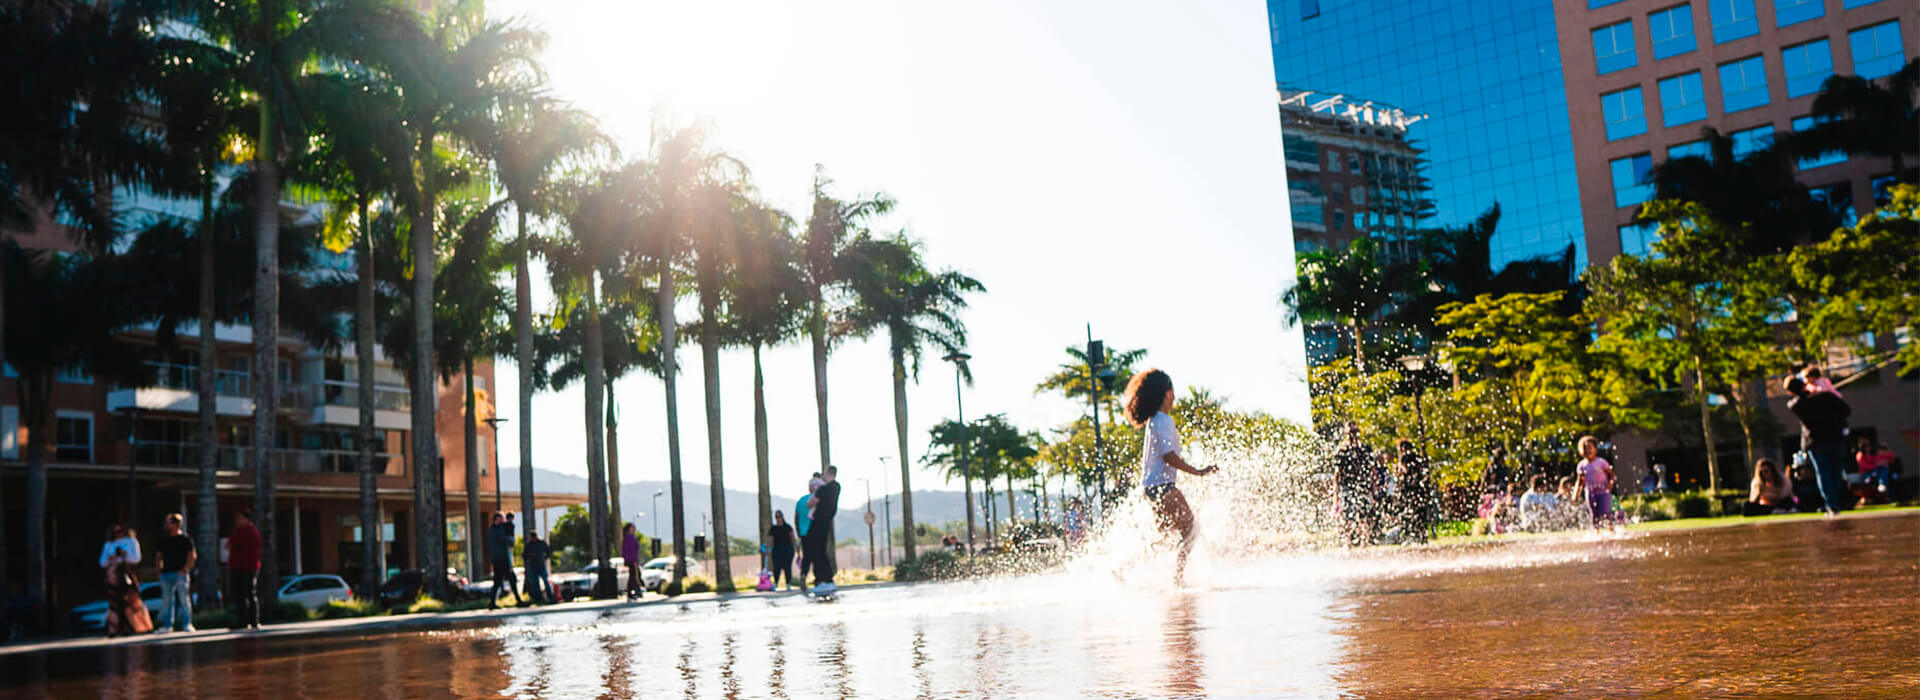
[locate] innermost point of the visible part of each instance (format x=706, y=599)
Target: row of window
x=1671, y=34
x=1638, y=238
x=1743, y=83
x=1630, y=174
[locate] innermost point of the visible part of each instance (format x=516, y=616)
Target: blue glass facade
x=1487, y=75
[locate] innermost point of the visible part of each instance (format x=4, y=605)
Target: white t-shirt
x=1536, y=507
x=1162, y=438
x=127, y=546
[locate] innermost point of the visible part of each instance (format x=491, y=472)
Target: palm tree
x=769, y=300
x=915, y=306
x=1456, y=264
x=533, y=143
x=1757, y=190
x=468, y=323
x=1860, y=117
x=274, y=48
x=830, y=227
x=453, y=75
x=1349, y=287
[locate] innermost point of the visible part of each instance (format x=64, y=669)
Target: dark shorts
x=1158, y=491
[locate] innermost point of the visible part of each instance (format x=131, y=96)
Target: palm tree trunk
x=1013, y=514
x=898, y=352
x=817, y=331
x=670, y=367
x=207, y=525
x=594, y=359
x=429, y=544
x=523, y=359
x=469, y=440
x=266, y=332
x=710, y=374
x=613, y=461
x=372, y=563
x=760, y=451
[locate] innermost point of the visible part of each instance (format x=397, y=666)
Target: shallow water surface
x=1827, y=608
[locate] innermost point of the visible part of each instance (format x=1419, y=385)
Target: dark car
x=402, y=589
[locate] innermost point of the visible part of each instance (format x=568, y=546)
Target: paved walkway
x=380, y=622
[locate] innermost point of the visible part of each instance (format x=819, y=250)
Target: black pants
x=635, y=586
x=539, y=588
x=503, y=574
x=819, y=550
x=782, y=566
x=245, y=602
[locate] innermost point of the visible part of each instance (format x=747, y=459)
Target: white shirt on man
x=1162, y=439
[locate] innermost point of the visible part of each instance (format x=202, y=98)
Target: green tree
x=831, y=226
x=1864, y=280
x=1350, y=288
x=721, y=203
x=769, y=301
x=915, y=306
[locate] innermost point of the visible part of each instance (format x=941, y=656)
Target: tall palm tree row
x=831, y=226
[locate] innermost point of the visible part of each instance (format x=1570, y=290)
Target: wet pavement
x=1806, y=608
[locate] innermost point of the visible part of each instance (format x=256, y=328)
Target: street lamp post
x=1099, y=375
x=873, y=557
x=494, y=425
x=1416, y=366
x=886, y=496
x=133, y=461
x=656, y=514
x=959, y=360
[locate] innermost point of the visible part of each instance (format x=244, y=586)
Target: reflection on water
x=1795, y=608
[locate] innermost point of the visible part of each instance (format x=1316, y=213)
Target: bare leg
x=1177, y=518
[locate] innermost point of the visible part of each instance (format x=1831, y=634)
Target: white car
x=656, y=573
x=314, y=590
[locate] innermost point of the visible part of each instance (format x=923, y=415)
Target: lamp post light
x=656, y=514
x=959, y=360
x=494, y=425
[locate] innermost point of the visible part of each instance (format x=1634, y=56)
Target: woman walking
x=126, y=613
x=1148, y=398
x=630, y=553
x=781, y=535
x=1597, y=475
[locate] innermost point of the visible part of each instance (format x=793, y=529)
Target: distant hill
x=636, y=497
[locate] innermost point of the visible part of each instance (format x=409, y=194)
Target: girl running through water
x=1148, y=398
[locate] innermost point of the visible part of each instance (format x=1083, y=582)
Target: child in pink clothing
x=1817, y=382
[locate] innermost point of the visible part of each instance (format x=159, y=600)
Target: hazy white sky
x=1112, y=163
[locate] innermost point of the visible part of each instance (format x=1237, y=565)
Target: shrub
x=352, y=607
x=286, y=611
x=671, y=589
x=928, y=565
x=426, y=604
x=215, y=618
x=695, y=584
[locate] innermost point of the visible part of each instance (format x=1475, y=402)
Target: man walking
x=826, y=504
x=243, y=566
x=500, y=550
x=1823, y=435
x=176, y=559
x=535, y=554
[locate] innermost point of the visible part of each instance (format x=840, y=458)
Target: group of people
x=1383, y=497
x=812, y=530
x=1544, y=503
x=535, y=553
x=1823, y=475
x=120, y=559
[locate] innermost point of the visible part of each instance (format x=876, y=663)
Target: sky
x=1108, y=163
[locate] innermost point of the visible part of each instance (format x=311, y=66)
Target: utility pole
x=1101, y=377
x=886, y=493
x=873, y=561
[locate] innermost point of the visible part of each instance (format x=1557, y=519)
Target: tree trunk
x=1359, y=348
x=266, y=332
x=523, y=358
x=1706, y=425
x=469, y=439
x=35, y=403
x=372, y=562
x=1744, y=411
x=207, y=524
x=670, y=366
x=1013, y=514
x=817, y=331
x=710, y=374
x=613, y=461
x=429, y=545
x=760, y=452
x=898, y=353
x=594, y=358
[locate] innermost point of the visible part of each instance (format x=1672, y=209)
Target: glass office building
x=1488, y=77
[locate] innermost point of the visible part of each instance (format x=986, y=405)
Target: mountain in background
x=636, y=500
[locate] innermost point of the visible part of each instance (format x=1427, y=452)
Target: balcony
x=175, y=388
x=232, y=457
x=338, y=403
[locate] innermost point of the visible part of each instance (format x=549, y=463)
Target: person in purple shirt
x=630, y=551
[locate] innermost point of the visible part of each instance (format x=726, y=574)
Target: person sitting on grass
x=1538, y=507
x=1770, y=492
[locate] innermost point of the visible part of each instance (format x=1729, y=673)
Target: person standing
x=126, y=613
x=826, y=504
x=500, y=551
x=1149, y=397
x=177, y=556
x=536, y=554
x=1823, y=436
x=803, y=524
x=781, y=538
x=1419, y=503
x=1498, y=473
x=243, y=567
x=630, y=556
x=1596, y=473
x=1353, y=480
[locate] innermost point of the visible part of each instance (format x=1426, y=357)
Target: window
x=1733, y=19
x=72, y=374
x=1850, y=4
x=1876, y=50
x=1309, y=9
x=10, y=432
x=1626, y=113
x=1788, y=12
x=1743, y=85
x=1823, y=160
x=1597, y=4
x=1339, y=220
x=1304, y=213
x=1691, y=148
x=1749, y=141
x=1613, y=47
x=1637, y=239
x=1682, y=100
x=1631, y=184
x=1301, y=150
x=1838, y=199
x=73, y=437
x=1807, y=66
x=1672, y=31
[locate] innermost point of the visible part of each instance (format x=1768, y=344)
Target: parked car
x=93, y=616
x=314, y=590
x=656, y=573
x=579, y=584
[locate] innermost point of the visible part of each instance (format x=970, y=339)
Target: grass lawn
x=1683, y=524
